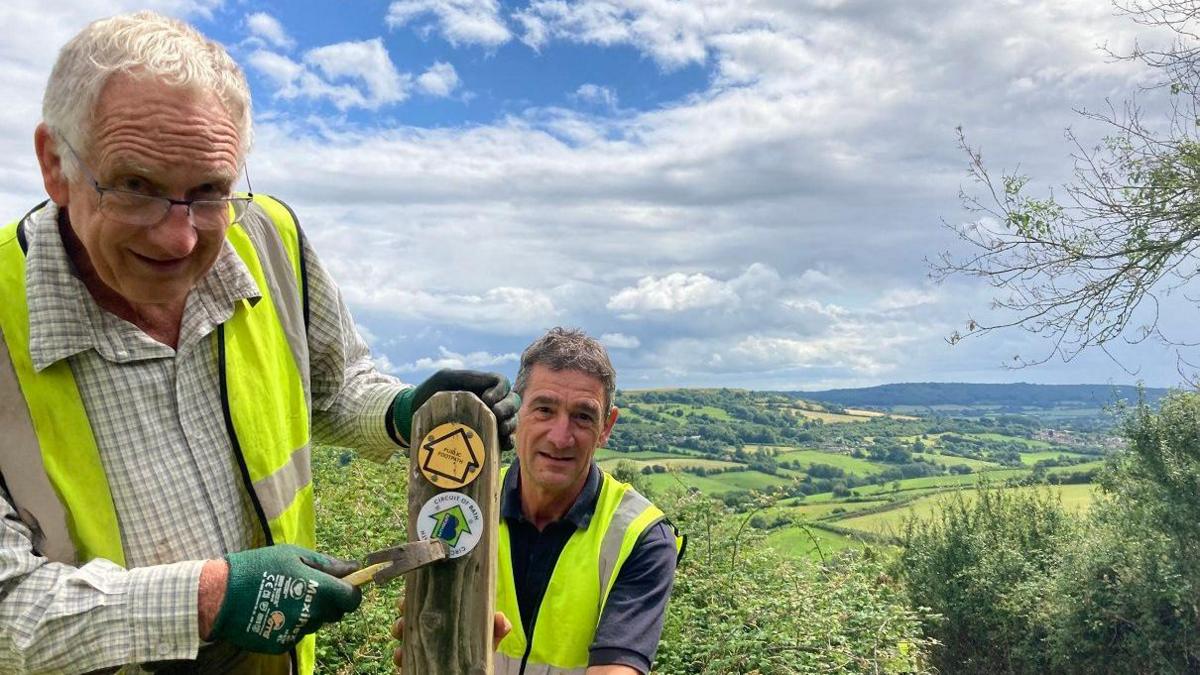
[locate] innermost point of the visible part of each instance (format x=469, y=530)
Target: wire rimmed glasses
x=147, y=210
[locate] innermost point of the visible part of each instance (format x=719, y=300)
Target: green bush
x=1127, y=591
x=1021, y=587
x=983, y=567
x=738, y=607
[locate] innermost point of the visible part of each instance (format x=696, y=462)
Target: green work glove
x=491, y=388
x=278, y=594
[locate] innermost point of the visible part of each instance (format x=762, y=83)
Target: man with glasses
x=171, y=348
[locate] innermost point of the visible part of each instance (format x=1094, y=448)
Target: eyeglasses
x=137, y=208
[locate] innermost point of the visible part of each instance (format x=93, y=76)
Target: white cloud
x=759, y=291
x=281, y=70
x=384, y=364
x=450, y=359
x=366, y=61
x=267, y=27
x=620, y=341
x=786, y=201
x=673, y=293
x=349, y=74
x=597, y=95
x=439, y=80
x=906, y=298
x=471, y=22
x=857, y=352
x=671, y=32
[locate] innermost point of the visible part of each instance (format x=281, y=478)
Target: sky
x=735, y=193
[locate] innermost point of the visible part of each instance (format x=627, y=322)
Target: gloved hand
x=491, y=388
x=278, y=594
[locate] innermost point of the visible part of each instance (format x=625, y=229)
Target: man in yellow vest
x=170, y=350
x=586, y=564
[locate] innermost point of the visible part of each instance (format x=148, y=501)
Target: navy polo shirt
x=632, y=621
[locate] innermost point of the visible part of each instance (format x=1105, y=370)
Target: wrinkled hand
x=500, y=628
x=278, y=594
x=491, y=388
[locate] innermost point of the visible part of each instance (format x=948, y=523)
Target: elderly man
x=170, y=350
x=586, y=564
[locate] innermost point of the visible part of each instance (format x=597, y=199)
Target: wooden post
x=448, y=607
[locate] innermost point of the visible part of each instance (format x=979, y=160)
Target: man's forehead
x=566, y=384
x=149, y=117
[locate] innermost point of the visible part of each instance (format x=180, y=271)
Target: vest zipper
x=528, y=648
x=227, y=412
x=533, y=624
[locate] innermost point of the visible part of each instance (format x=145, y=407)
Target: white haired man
x=170, y=350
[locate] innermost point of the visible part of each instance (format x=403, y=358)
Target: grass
x=950, y=460
x=1031, y=458
x=857, y=412
x=809, y=542
x=361, y=507
x=851, y=465
x=706, y=484
x=1073, y=497
x=605, y=454
x=776, y=449
x=1001, y=438
x=820, y=511
x=668, y=409
x=751, y=480
x=715, y=413
x=830, y=418
x=671, y=462
x=908, y=484
x=1086, y=466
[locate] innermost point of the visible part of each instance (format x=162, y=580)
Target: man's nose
x=560, y=432
x=176, y=235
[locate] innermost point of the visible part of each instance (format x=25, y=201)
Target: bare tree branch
x=1088, y=263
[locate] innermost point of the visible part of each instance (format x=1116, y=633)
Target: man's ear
x=50, y=161
x=608, y=426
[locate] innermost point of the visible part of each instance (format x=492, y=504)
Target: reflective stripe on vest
x=262, y=353
x=565, y=623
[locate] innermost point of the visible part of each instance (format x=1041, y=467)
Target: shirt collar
x=64, y=320
x=581, y=512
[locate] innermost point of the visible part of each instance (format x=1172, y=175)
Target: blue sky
x=730, y=192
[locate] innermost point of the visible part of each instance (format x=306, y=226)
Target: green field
x=808, y=542
x=1074, y=497
x=776, y=450
x=707, y=484
x=907, y=484
x=668, y=410
x=604, y=454
x=1086, y=466
x=671, y=463
x=851, y=465
x=750, y=480
x=1031, y=458
x=820, y=511
x=830, y=418
x=950, y=460
x=1001, y=438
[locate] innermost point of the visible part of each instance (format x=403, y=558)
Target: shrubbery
x=1022, y=586
x=739, y=607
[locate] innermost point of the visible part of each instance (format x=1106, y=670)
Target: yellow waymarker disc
x=451, y=455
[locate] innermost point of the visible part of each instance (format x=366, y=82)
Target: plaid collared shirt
x=157, y=418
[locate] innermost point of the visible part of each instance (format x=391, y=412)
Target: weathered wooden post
x=453, y=495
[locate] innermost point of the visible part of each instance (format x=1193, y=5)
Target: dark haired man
x=586, y=563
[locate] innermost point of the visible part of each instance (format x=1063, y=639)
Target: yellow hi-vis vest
x=51, y=466
x=565, y=623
